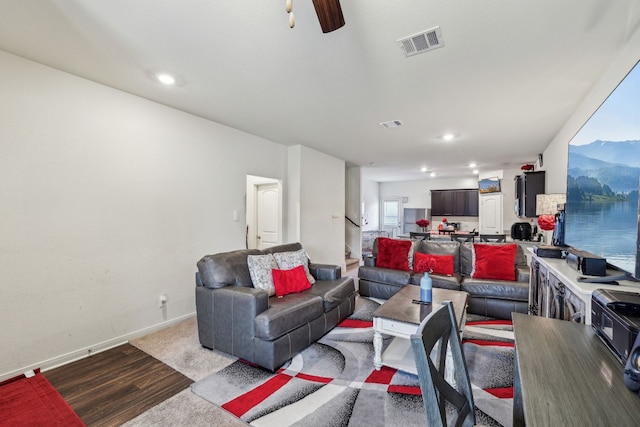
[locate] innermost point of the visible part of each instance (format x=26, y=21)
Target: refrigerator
x=411, y=215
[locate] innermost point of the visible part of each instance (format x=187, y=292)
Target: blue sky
x=618, y=118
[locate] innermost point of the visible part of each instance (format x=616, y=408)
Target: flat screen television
x=601, y=213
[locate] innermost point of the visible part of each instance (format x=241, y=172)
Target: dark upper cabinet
x=437, y=203
x=528, y=186
x=454, y=202
x=473, y=202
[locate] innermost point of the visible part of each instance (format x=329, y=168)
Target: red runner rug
x=31, y=401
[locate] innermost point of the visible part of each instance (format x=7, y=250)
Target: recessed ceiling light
x=166, y=79
x=448, y=137
x=433, y=174
x=476, y=172
x=423, y=169
x=472, y=165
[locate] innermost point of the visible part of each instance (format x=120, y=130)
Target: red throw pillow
x=438, y=264
x=290, y=281
x=393, y=253
x=497, y=262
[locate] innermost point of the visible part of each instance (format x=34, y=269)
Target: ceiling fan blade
x=329, y=14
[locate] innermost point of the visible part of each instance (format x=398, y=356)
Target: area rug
x=333, y=382
x=30, y=400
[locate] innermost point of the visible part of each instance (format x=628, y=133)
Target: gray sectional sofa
x=493, y=298
x=244, y=321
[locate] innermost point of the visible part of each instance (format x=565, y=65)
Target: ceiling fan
x=329, y=14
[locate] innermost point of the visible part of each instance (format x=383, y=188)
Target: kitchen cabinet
x=454, y=202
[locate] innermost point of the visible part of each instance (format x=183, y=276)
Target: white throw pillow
x=260, y=267
x=289, y=260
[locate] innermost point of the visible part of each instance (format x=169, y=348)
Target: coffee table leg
x=377, y=350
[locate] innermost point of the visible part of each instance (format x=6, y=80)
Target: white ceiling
x=509, y=76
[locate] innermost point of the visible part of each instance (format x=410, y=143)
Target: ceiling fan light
x=329, y=14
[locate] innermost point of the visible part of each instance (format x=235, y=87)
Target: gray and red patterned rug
x=334, y=383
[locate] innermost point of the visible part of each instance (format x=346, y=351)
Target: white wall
x=107, y=201
x=418, y=193
x=371, y=200
x=556, y=156
x=353, y=235
x=317, y=204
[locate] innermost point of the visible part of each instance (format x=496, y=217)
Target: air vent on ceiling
x=391, y=124
x=422, y=42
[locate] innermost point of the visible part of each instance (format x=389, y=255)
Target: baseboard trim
x=82, y=353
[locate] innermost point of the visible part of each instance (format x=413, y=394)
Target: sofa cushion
x=289, y=260
x=517, y=291
x=384, y=275
x=431, y=263
x=290, y=281
x=260, y=269
x=286, y=314
x=439, y=281
x=332, y=292
x=494, y=262
x=226, y=268
x=393, y=253
x=466, y=258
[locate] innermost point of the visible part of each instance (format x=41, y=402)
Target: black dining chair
x=440, y=328
x=496, y=238
x=463, y=237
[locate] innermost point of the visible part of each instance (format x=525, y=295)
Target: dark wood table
x=400, y=317
x=565, y=376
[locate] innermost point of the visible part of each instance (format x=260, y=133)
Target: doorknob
x=258, y=237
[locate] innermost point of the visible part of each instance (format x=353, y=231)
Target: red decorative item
x=495, y=262
x=547, y=222
x=527, y=167
x=423, y=223
x=438, y=264
x=393, y=253
x=290, y=281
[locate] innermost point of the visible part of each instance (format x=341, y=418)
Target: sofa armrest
x=325, y=271
x=226, y=318
x=369, y=261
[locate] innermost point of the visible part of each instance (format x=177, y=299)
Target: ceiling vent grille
x=391, y=124
x=422, y=42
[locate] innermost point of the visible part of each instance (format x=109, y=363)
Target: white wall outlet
x=163, y=300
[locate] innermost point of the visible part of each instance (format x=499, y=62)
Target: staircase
x=351, y=262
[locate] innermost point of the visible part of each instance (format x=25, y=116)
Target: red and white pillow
x=437, y=264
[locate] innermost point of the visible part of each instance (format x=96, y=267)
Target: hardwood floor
x=115, y=386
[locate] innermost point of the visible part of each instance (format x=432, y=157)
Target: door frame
x=394, y=230
x=253, y=183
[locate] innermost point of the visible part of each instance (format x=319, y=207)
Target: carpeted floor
x=178, y=347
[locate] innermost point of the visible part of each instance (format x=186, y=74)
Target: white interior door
x=391, y=215
x=491, y=214
x=267, y=204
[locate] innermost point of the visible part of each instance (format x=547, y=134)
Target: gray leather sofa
x=236, y=318
x=493, y=298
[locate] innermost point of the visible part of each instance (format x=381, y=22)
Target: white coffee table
x=400, y=317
